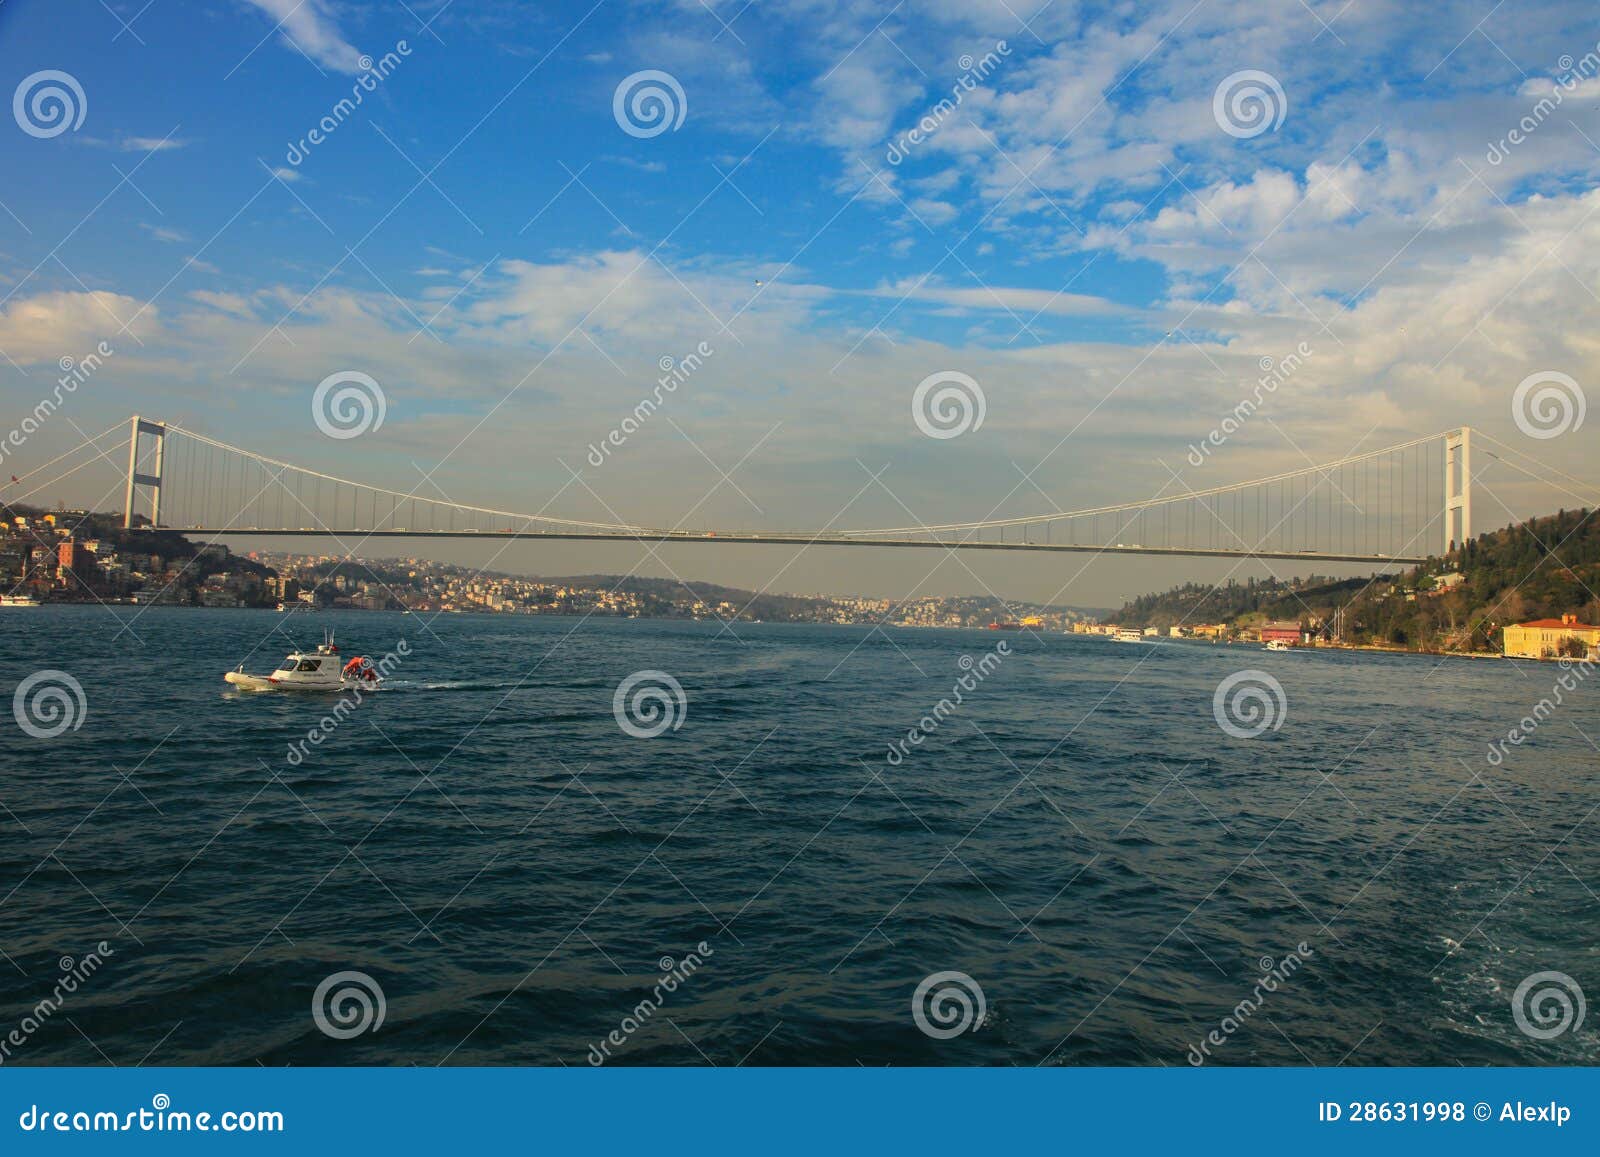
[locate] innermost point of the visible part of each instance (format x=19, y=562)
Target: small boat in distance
x=18, y=601
x=318, y=670
x=1279, y=645
x=1129, y=635
x=1005, y=625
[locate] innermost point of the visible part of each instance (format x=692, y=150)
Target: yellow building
x=1544, y=638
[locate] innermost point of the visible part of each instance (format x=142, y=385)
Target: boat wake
x=391, y=685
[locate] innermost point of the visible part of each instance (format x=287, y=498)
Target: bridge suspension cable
x=254, y=491
x=1396, y=504
x=1186, y=495
x=93, y=443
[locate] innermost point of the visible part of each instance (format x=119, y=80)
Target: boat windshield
x=309, y=664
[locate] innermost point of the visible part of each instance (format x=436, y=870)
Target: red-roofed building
x=1280, y=632
x=1549, y=638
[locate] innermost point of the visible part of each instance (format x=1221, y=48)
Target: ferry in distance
x=18, y=601
x=1129, y=635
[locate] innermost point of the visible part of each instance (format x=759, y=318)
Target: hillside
x=1541, y=568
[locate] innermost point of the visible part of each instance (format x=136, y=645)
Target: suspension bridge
x=1390, y=506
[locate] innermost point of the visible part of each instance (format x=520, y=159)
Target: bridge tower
x=1457, y=487
x=151, y=482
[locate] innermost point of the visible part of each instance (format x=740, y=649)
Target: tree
x=1573, y=648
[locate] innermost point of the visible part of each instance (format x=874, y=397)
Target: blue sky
x=1082, y=234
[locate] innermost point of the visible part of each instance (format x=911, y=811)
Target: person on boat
x=360, y=668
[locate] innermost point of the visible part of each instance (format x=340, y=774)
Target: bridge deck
x=779, y=538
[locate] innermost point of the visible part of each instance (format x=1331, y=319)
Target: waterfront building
x=1283, y=632
x=1550, y=638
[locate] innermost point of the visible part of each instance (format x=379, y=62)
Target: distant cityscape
x=78, y=556
x=1464, y=602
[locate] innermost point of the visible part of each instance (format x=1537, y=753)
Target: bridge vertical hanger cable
x=1348, y=509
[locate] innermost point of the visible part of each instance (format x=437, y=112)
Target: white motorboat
x=1279, y=645
x=321, y=670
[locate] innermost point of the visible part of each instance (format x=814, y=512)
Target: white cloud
x=163, y=232
x=1002, y=298
x=50, y=326
x=310, y=26
x=151, y=144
